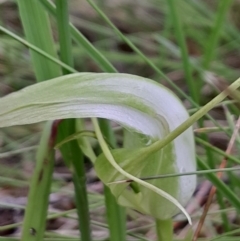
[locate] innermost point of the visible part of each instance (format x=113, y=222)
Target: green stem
x=38, y=32
x=164, y=230
x=116, y=215
x=116, y=224
x=114, y=221
x=36, y=211
x=79, y=179
x=71, y=151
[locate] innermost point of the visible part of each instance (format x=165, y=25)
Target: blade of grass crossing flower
x=230, y=169
x=71, y=151
x=172, y=135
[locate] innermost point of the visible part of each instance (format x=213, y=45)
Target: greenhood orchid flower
x=147, y=110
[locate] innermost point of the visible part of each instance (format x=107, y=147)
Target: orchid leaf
x=147, y=110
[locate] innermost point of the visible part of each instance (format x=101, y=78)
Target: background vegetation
x=193, y=45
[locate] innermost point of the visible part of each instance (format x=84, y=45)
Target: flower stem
x=164, y=230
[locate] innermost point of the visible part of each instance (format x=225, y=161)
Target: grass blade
x=34, y=48
x=184, y=52
x=102, y=62
x=36, y=211
x=114, y=211
x=64, y=34
x=71, y=151
x=213, y=39
x=38, y=32
x=116, y=215
x=221, y=186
